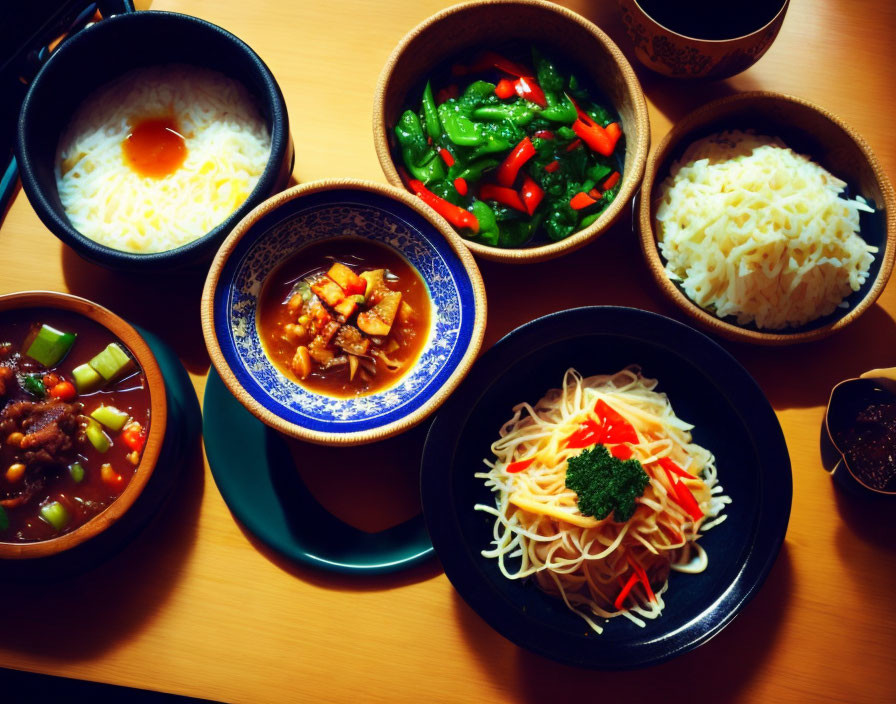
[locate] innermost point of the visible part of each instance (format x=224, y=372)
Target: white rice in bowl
x=227, y=149
x=750, y=228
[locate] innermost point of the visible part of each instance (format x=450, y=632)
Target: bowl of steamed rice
x=142, y=154
x=767, y=219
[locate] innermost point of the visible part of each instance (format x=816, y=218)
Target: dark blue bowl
x=706, y=386
x=101, y=53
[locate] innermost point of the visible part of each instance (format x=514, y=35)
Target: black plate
x=707, y=387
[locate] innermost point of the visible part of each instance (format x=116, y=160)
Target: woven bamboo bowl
x=808, y=129
x=489, y=23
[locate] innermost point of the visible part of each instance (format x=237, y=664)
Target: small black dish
x=707, y=387
x=848, y=399
x=101, y=53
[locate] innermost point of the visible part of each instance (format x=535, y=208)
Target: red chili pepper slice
x=596, y=194
x=502, y=63
x=594, y=136
x=502, y=195
x=622, y=452
x=688, y=502
x=447, y=157
x=505, y=88
x=612, y=180
x=134, y=436
x=684, y=497
x=513, y=162
x=625, y=590
x=589, y=433
x=544, y=134
x=584, y=116
x=460, y=185
x=455, y=215
x=616, y=428
x=519, y=466
x=642, y=576
x=531, y=193
x=581, y=200
x=573, y=145
x=669, y=465
x=552, y=167
x=527, y=88
x=614, y=131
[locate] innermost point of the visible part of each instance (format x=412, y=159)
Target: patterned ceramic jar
x=679, y=56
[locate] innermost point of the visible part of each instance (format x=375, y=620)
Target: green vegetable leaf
x=458, y=125
x=518, y=113
x=488, y=225
x=4, y=520
x=605, y=484
x=549, y=77
x=34, y=386
x=419, y=158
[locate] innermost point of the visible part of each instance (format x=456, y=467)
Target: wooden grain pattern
x=195, y=606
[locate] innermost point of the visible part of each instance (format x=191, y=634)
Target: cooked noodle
x=539, y=531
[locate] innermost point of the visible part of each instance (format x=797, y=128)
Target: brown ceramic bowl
x=491, y=23
x=673, y=54
x=807, y=129
x=158, y=417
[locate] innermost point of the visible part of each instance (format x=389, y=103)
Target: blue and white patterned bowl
x=320, y=210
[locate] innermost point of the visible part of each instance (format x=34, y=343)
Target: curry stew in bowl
x=344, y=316
x=74, y=418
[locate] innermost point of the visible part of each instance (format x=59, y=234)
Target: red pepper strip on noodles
x=624, y=593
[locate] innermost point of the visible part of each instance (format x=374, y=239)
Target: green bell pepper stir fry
x=529, y=157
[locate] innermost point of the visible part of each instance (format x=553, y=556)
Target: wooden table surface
x=196, y=606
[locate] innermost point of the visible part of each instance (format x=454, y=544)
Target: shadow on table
x=80, y=617
x=166, y=303
x=784, y=373
x=598, y=274
x=722, y=666
x=863, y=524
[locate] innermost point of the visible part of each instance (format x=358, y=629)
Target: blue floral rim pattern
x=342, y=213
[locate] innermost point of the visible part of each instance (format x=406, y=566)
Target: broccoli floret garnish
x=605, y=483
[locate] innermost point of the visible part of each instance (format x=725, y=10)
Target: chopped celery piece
x=77, y=472
x=86, y=379
x=50, y=345
x=55, y=514
x=97, y=437
x=111, y=362
x=111, y=417
x=4, y=520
